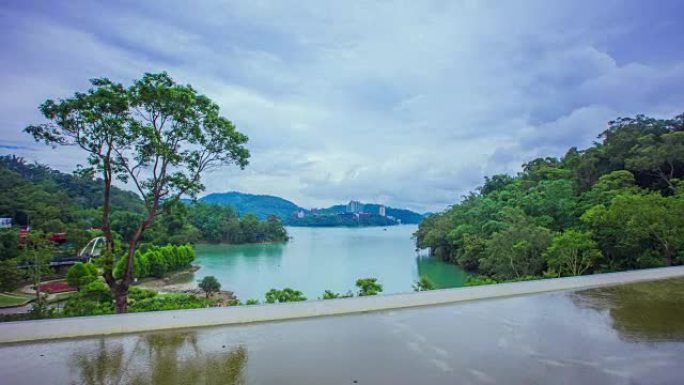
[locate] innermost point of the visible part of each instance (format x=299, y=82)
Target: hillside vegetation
x=260, y=205
x=614, y=206
x=52, y=201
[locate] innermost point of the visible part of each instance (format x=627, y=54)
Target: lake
x=317, y=259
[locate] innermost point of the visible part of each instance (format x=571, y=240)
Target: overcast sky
x=407, y=103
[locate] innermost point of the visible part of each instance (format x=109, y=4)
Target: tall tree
x=157, y=135
x=176, y=136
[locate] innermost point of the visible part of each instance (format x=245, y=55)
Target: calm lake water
x=317, y=259
x=631, y=334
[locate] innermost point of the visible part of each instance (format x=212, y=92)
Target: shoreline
x=167, y=284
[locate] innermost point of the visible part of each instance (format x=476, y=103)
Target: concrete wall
x=141, y=322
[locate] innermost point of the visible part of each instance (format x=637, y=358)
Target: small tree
x=368, y=286
x=210, y=285
x=81, y=274
x=36, y=256
x=423, y=284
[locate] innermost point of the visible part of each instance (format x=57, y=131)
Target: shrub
x=93, y=299
x=171, y=301
x=81, y=274
x=138, y=293
x=479, y=280
x=285, y=295
x=329, y=294
x=10, y=275
x=368, y=286
x=158, y=261
x=423, y=284
x=158, y=265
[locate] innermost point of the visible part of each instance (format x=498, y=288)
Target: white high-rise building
x=354, y=207
x=381, y=211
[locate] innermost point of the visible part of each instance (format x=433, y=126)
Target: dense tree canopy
x=616, y=205
x=53, y=201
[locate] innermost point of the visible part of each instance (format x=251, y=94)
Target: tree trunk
x=121, y=298
x=106, y=227
x=121, y=291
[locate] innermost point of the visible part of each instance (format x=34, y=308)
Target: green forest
x=55, y=202
x=617, y=205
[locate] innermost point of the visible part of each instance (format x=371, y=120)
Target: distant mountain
x=265, y=205
x=259, y=205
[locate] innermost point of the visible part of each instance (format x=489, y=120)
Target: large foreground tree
x=162, y=139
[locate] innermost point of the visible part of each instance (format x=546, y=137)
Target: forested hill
x=265, y=205
x=614, y=206
x=52, y=201
x=260, y=205
x=42, y=195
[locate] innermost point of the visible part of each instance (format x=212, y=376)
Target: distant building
x=354, y=207
x=5, y=223
x=300, y=214
x=381, y=211
x=348, y=215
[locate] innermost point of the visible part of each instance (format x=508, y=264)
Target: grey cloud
x=408, y=103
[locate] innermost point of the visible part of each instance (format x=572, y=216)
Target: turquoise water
x=317, y=259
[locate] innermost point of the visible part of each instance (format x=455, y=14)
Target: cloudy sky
x=406, y=103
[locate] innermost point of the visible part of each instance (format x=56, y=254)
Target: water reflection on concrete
x=169, y=358
x=629, y=334
x=650, y=311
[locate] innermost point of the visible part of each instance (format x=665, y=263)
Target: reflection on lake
x=317, y=259
x=621, y=335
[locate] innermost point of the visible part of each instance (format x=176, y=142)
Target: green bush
x=171, y=301
x=9, y=244
x=158, y=264
x=158, y=261
x=329, y=294
x=368, y=286
x=10, y=275
x=285, y=295
x=81, y=274
x=138, y=293
x=423, y=284
x=479, y=280
x=96, y=298
x=93, y=299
